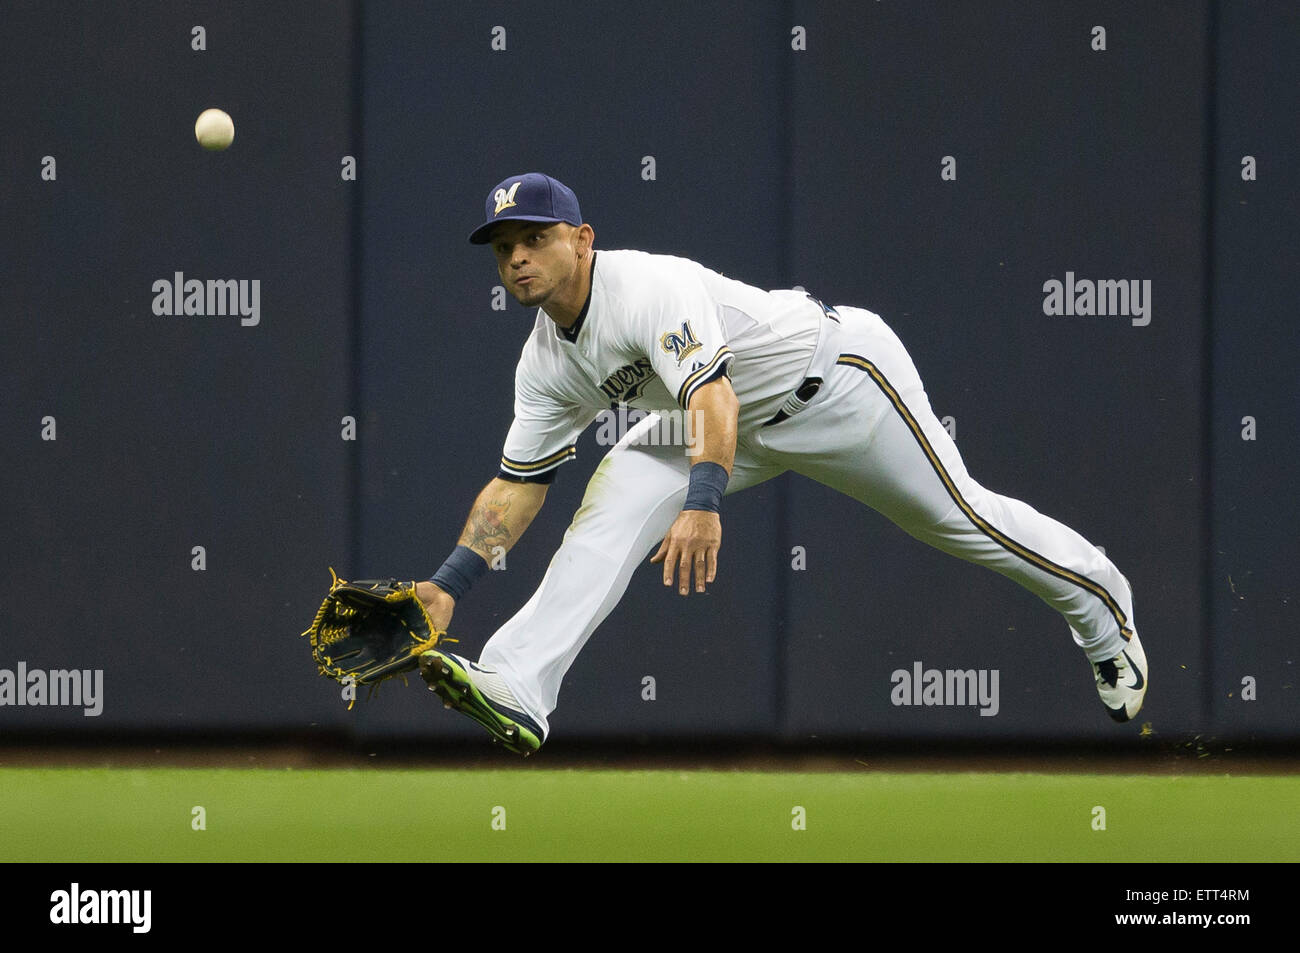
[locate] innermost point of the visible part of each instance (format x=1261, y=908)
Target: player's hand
x=437, y=603
x=691, y=543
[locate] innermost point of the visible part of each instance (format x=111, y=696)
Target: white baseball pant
x=870, y=433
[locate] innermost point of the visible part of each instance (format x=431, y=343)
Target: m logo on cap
x=505, y=199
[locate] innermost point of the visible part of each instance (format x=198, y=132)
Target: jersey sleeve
x=543, y=434
x=684, y=338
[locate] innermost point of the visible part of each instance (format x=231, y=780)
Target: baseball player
x=763, y=382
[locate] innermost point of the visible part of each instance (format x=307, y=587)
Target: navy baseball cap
x=531, y=197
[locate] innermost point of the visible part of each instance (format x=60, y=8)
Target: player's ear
x=584, y=238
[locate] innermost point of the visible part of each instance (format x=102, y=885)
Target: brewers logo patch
x=680, y=344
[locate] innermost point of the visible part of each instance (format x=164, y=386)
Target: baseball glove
x=371, y=630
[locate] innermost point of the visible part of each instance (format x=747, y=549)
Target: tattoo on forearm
x=487, y=527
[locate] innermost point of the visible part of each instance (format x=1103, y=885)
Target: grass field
x=147, y=814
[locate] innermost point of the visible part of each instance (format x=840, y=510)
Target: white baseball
x=214, y=129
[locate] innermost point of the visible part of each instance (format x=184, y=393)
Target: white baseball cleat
x=482, y=694
x=1122, y=681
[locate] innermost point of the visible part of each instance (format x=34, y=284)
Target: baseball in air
x=214, y=129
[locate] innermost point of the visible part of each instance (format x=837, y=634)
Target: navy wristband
x=708, y=483
x=463, y=568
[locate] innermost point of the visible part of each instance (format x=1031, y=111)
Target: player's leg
x=631, y=501
x=873, y=436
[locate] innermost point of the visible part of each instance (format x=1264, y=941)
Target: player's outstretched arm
x=503, y=510
x=696, y=536
x=500, y=515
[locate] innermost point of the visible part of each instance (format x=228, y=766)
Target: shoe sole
x=1121, y=714
x=452, y=684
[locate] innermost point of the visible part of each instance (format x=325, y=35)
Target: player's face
x=536, y=259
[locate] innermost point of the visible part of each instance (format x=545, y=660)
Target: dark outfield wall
x=1252, y=593
x=174, y=432
x=936, y=163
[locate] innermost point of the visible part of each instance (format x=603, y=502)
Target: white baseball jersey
x=654, y=330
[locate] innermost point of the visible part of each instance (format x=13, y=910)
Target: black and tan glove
x=371, y=630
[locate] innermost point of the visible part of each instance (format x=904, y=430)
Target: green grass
x=123, y=814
